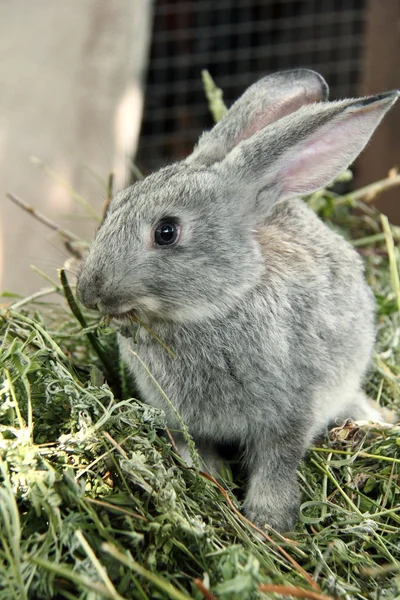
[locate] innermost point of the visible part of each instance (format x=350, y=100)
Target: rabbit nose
x=89, y=290
x=88, y=297
x=95, y=292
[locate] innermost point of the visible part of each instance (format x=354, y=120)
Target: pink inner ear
x=276, y=111
x=314, y=163
x=305, y=166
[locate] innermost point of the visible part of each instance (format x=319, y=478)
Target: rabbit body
x=307, y=324
x=265, y=307
x=272, y=373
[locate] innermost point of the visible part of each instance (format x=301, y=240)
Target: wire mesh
x=238, y=41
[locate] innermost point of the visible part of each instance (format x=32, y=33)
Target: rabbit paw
x=264, y=519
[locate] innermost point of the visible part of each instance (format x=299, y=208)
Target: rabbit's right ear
x=263, y=103
x=302, y=152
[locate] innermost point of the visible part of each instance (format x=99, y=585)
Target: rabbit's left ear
x=303, y=152
x=263, y=103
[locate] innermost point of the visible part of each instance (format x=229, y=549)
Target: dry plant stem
x=202, y=588
x=81, y=319
x=394, y=273
x=110, y=188
x=295, y=564
x=347, y=499
x=102, y=456
x=356, y=454
x=115, y=508
x=368, y=193
x=102, y=573
x=135, y=319
x=64, y=572
x=288, y=590
x=171, y=439
x=72, y=250
x=136, y=172
x=214, y=97
x=160, y=582
x=381, y=570
x=9, y=314
x=368, y=240
x=67, y=235
x=36, y=296
x=75, y=195
x=45, y=276
x=115, y=444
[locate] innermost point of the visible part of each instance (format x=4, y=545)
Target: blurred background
x=87, y=87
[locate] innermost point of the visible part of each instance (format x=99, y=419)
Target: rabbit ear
x=303, y=152
x=263, y=103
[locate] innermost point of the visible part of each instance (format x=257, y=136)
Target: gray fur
x=265, y=307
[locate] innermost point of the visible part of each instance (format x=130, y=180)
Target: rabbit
x=264, y=306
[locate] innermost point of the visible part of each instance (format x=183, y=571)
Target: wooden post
x=71, y=94
x=382, y=72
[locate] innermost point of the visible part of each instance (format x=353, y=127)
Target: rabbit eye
x=166, y=233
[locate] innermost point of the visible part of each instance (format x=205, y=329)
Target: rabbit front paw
x=263, y=518
x=273, y=497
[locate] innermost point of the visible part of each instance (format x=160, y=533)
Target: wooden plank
x=71, y=94
x=381, y=71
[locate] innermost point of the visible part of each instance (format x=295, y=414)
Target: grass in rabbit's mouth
x=122, y=319
x=95, y=503
x=131, y=324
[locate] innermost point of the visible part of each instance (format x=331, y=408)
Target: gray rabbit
x=265, y=307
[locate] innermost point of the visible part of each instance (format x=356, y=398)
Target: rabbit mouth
x=145, y=308
x=125, y=318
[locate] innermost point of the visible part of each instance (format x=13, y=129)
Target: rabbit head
x=180, y=245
